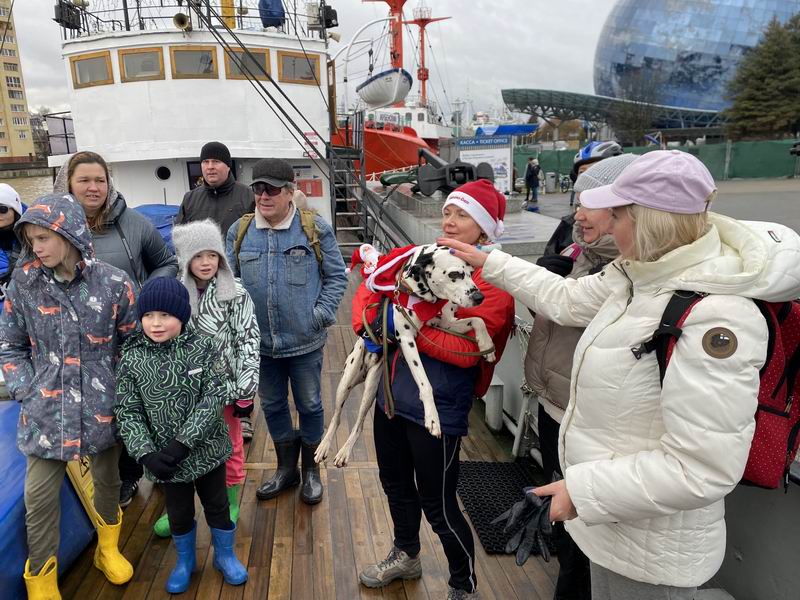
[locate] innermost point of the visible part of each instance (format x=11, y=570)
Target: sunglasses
x=259, y=187
x=4, y=210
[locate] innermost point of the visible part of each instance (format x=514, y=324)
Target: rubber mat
x=489, y=488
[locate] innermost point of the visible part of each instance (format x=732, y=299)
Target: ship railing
x=79, y=20
x=376, y=176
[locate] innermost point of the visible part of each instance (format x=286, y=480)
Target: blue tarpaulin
x=76, y=528
x=521, y=129
x=163, y=217
x=271, y=12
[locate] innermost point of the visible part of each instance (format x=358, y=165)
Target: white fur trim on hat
x=372, y=286
x=493, y=229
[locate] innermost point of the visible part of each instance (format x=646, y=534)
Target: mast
x=396, y=29
x=422, y=18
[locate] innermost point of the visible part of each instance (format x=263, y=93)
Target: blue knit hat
x=164, y=294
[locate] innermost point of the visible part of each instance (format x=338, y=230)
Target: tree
x=765, y=91
x=632, y=120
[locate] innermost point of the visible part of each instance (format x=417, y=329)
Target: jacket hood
x=63, y=214
x=752, y=259
x=599, y=252
x=193, y=238
x=61, y=184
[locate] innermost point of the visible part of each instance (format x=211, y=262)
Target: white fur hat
x=191, y=239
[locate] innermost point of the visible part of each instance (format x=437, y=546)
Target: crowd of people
x=106, y=335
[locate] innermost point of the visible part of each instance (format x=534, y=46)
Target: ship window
x=296, y=67
x=420, y=116
x=91, y=69
x=141, y=64
x=256, y=63
x=194, y=62
x=163, y=173
x=408, y=117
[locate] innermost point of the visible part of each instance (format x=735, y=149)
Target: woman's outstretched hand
x=561, y=506
x=466, y=252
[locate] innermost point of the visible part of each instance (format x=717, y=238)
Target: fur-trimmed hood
x=193, y=238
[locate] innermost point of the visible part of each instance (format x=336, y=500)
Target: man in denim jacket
x=296, y=298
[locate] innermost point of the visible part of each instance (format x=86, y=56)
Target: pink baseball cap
x=668, y=180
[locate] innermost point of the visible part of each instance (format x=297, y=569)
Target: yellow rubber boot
x=107, y=556
x=43, y=586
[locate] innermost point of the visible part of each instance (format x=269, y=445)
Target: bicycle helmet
x=593, y=152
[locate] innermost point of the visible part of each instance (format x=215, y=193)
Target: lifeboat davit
x=385, y=88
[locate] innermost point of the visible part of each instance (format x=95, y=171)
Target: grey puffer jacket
x=149, y=254
x=548, y=362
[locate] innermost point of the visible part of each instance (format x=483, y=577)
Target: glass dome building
x=680, y=52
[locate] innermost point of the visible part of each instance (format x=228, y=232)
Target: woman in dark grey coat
x=123, y=238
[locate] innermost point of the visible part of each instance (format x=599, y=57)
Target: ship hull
x=385, y=150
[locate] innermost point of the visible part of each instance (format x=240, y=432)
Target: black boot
x=286, y=475
x=311, y=492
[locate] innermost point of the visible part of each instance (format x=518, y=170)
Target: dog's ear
x=425, y=258
x=414, y=271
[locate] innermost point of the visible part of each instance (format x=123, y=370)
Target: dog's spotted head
x=434, y=274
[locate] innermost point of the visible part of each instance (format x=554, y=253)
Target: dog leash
x=384, y=343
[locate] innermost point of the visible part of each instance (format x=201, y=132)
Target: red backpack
x=776, y=438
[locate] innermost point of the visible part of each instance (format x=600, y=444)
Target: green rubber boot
x=161, y=528
x=233, y=500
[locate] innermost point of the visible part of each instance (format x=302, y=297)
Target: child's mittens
x=242, y=409
x=176, y=451
x=160, y=464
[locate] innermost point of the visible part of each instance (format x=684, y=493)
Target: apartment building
x=16, y=139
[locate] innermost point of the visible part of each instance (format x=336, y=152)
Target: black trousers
x=420, y=473
x=574, y=579
x=213, y=496
x=129, y=469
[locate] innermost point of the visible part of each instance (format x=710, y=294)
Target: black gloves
x=160, y=464
x=529, y=519
x=176, y=451
x=556, y=263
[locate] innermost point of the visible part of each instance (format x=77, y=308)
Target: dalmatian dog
x=430, y=275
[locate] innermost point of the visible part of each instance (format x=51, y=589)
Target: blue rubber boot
x=178, y=581
x=225, y=557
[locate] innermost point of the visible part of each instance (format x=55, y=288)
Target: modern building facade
x=16, y=139
x=680, y=53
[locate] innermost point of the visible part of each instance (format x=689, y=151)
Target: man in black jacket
x=220, y=198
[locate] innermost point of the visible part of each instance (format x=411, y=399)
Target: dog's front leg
x=406, y=339
x=374, y=371
x=355, y=369
x=450, y=322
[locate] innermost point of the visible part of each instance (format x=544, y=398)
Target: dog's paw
x=432, y=425
x=322, y=452
x=342, y=457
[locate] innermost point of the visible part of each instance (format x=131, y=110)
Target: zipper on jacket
x=621, y=269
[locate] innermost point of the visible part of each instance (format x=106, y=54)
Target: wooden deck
x=295, y=551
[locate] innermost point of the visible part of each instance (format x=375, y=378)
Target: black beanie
x=164, y=294
x=216, y=150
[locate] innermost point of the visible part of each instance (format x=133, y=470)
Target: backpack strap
x=244, y=223
x=312, y=233
x=668, y=332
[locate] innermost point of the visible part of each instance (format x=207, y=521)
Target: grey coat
x=149, y=254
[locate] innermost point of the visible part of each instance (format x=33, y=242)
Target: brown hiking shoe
x=397, y=565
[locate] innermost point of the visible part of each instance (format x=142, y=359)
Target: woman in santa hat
x=419, y=472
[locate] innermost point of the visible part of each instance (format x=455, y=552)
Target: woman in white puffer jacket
x=647, y=467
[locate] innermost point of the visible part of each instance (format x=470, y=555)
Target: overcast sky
x=486, y=46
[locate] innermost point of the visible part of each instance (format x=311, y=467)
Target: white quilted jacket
x=646, y=467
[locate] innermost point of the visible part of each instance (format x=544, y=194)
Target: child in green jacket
x=169, y=411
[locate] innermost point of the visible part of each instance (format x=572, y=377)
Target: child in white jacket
x=221, y=309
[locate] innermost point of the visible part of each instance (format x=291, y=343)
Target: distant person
x=221, y=198
x=121, y=237
x=588, y=155
x=291, y=265
x=10, y=213
x=532, y=179
x=548, y=362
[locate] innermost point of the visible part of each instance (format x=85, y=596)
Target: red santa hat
x=384, y=277
x=483, y=203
